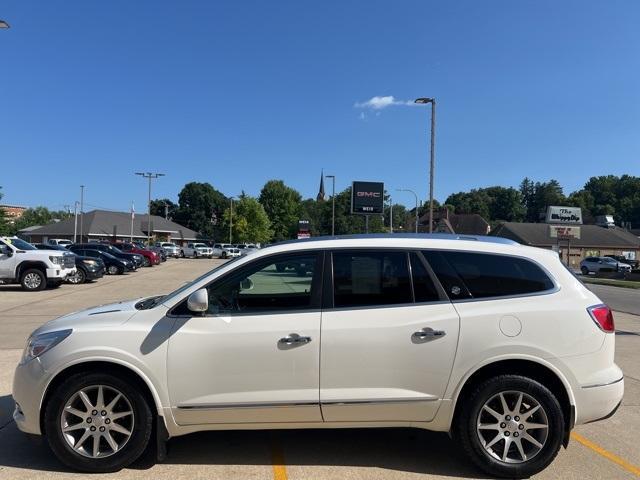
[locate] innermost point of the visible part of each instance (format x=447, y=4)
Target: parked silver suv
x=605, y=264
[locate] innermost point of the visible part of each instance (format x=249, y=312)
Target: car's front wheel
x=584, y=270
x=511, y=426
x=33, y=280
x=77, y=278
x=97, y=422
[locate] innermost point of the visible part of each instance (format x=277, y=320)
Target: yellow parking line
x=277, y=461
x=606, y=454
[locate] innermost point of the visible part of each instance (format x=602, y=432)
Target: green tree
x=161, y=205
x=250, y=222
x=4, y=221
x=37, y=216
x=536, y=197
x=200, y=208
x=283, y=206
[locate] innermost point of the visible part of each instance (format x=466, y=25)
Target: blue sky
x=238, y=92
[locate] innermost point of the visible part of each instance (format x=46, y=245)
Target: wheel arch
x=544, y=373
x=22, y=266
x=102, y=366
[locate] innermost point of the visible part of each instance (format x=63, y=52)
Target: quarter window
x=487, y=275
x=369, y=278
x=423, y=288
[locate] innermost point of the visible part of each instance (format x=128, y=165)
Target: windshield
x=609, y=260
x=115, y=250
x=168, y=245
x=189, y=284
x=21, y=244
x=200, y=245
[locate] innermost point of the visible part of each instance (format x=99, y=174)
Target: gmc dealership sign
x=367, y=198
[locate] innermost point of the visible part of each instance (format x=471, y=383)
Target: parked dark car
x=114, y=265
x=87, y=268
x=150, y=258
x=634, y=263
x=107, y=247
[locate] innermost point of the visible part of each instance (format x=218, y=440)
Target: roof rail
x=422, y=236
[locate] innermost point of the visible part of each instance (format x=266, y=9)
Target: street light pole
x=81, y=211
x=231, y=220
x=415, y=195
x=333, y=203
x=75, y=221
x=149, y=176
x=432, y=101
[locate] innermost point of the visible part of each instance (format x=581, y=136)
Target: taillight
x=603, y=317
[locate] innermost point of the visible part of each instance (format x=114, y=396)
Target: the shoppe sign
x=564, y=215
x=367, y=198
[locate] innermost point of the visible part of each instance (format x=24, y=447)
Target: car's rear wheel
x=584, y=270
x=33, y=280
x=224, y=255
x=511, y=426
x=97, y=422
x=79, y=277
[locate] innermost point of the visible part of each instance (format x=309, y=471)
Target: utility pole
x=391, y=214
x=432, y=101
x=81, y=211
x=333, y=203
x=150, y=176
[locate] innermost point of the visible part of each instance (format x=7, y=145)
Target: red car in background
x=150, y=258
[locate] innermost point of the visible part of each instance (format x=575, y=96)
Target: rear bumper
x=597, y=402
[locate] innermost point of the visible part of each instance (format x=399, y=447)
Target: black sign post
x=367, y=198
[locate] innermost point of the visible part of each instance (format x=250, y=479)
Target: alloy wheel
x=512, y=427
x=32, y=281
x=97, y=421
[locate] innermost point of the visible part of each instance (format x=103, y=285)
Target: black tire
x=224, y=255
x=79, y=278
x=146, y=262
x=465, y=427
x=132, y=449
x=584, y=270
x=181, y=253
x=30, y=283
x=113, y=270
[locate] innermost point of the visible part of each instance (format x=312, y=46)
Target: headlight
x=39, y=344
x=93, y=263
x=56, y=260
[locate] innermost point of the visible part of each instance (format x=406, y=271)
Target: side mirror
x=246, y=284
x=198, y=301
x=6, y=251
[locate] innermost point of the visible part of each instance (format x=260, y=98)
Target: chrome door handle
x=429, y=333
x=294, y=339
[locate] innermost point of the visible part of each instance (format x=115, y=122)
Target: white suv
x=494, y=342
x=21, y=262
x=196, y=250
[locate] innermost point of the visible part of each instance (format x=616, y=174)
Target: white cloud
x=378, y=103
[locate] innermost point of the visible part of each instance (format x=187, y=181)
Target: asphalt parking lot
x=607, y=449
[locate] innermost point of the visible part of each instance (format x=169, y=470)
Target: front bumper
x=59, y=273
x=29, y=383
x=95, y=273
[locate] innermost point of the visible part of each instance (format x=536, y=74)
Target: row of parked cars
x=202, y=250
x=608, y=263
x=36, y=266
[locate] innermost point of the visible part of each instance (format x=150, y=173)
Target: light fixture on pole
x=3, y=24
x=415, y=195
x=333, y=203
x=432, y=101
x=149, y=176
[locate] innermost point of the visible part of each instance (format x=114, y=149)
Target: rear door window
x=424, y=290
x=370, y=278
x=489, y=275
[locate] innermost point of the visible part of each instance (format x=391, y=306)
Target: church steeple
x=320, y=197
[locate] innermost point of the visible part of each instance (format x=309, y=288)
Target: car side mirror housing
x=246, y=284
x=6, y=251
x=198, y=301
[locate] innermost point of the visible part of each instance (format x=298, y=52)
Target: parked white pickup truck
x=197, y=250
x=21, y=262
